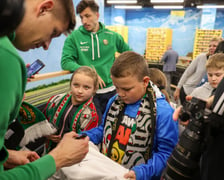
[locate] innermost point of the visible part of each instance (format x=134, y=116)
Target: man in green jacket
x=42, y=21
x=93, y=45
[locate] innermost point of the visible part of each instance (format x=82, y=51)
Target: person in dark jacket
x=170, y=59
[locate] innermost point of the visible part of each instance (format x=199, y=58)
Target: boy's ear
x=44, y=6
x=146, y=81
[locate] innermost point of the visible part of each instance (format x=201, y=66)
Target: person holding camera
x=213, y=158
x=56, y=17
x=210, y=136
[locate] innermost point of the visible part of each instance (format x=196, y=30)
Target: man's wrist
x=57, y=158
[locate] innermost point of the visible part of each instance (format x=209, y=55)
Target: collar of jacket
x=101, y=28
x=12, y=36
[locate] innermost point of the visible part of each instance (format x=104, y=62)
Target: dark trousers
x=213, y=159
x=182, y=96
x=101, y=100
x=169, y=76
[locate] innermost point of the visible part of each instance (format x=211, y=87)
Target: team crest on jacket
x=105, y=42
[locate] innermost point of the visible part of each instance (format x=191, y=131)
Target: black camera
x=183, y=164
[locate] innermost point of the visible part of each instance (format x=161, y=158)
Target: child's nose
x=80, y=89
x=121, y=93
x=213, y=78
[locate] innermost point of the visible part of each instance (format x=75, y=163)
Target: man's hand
x=210, y=101
x=176, y=94
x=54, y=138
x=101, y=82
x=29, y=79
x=70, y=151
x=17, y=158
x=176, y=113
x=188, y=97
x=130, y=175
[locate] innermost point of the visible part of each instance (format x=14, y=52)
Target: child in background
x=215, y=73
x=137, y=129
x=159, y=79
x=74, y=111
x=194, y=73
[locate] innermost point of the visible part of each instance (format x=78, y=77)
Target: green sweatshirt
x=93, y=49
x=13, y=82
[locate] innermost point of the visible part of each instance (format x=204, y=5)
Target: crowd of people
x=194, y=73
x=122, y=106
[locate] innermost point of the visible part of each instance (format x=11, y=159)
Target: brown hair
x=220, y=47
x=218, y=39
x=130, y=63
x=91, y=72
x=83, y=4
x=159, y=79
x=67, y=12
x=215, y=61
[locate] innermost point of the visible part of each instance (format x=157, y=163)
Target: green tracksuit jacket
x=93, y=49
x=13, y=82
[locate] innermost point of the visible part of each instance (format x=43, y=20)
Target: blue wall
x=138, y=21
x=183, y=27
x=219, y=22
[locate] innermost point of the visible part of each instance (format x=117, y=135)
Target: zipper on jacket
x=66, y=114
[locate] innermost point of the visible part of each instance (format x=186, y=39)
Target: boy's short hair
x=216, y=61
x=66, y=7
x=83, y=4
x=130, y=63
x=88, y=71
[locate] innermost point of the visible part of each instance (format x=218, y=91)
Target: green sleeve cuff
x=46, y=166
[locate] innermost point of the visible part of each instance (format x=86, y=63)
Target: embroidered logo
x=82, y=43
x=105, y=42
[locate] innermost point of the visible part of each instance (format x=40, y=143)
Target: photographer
x=13, y=80
x=206, y=137
x=213, y=157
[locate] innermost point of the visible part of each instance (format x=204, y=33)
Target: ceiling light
x=210, y=6
x=121, y=2
x=127, y=7
x=168, y=7
x=167, y=1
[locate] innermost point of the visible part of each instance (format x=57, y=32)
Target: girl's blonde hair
x=91, y=72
